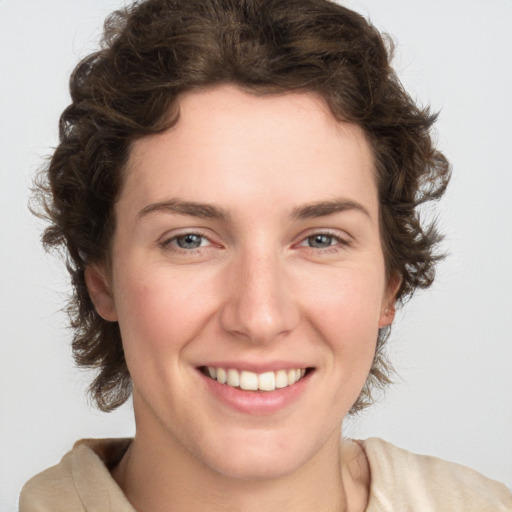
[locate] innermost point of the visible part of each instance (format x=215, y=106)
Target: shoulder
x=401, y=480
x=80, y=481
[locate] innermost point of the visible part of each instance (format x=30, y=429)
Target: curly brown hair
x=153, y=51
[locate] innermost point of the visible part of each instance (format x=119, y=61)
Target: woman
x=237, y=186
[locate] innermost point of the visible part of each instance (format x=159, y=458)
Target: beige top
x=400, y=482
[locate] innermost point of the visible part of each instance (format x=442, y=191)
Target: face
x=247, y=249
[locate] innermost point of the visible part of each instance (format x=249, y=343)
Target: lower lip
x=260, y=403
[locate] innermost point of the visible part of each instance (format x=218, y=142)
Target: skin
x=260, y=288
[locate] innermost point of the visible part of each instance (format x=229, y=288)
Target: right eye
x=186, y=242
x=190, y=241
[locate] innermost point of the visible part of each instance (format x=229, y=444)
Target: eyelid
x=342, y=236
x=165, y=241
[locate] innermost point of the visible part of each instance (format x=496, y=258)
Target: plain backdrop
x=452, y=345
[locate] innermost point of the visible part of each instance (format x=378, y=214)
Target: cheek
x=159, y=312
x=345, y=308
x=347, y=297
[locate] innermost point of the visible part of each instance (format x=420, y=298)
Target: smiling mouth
x=251, y=381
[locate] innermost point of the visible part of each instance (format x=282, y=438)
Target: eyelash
x=342, y=242
x=171, y=243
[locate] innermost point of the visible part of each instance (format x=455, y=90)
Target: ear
x=388, y=311
x=100, y=292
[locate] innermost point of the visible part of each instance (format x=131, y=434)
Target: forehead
x=237, y=145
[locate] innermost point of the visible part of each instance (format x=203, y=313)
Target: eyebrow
x=193, y=209
x=325, y=208
x=208, y=211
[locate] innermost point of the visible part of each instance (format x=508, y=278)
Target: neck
x=159, y=474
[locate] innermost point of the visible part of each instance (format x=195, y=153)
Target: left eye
x=321, y=241
x=189, y=241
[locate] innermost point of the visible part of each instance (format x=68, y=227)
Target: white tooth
x=267, y=381
x=221, y=375
x=248, y=381
x=281, y=379
x=303, y=372
x=233, y=379
x=297, y=374
x=212, y=371
x=291, y=377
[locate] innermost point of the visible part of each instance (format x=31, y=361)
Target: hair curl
x=153, y=51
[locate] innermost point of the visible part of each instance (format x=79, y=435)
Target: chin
x=249, y=465
x=262, y=456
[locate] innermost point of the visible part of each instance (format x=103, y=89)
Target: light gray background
x=451, y=345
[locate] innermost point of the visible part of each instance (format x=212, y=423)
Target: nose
x=259, y=305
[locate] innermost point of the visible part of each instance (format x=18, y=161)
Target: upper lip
x=256, y=367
